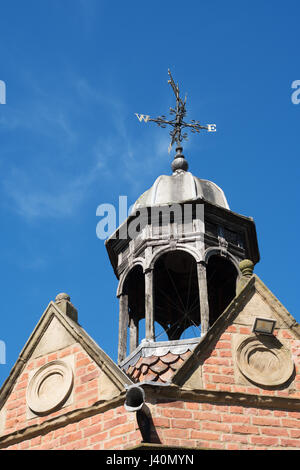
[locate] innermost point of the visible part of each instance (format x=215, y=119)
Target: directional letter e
x=2, y=92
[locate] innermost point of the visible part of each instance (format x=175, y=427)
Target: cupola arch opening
x=176, y=298
x=133, y=302
x=221, y=274
x=176, y=294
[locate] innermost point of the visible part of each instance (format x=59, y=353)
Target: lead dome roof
x=179, y=187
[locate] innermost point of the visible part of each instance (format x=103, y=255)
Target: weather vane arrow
x=177, y=123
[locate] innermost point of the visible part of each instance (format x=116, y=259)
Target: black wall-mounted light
x=264, y=326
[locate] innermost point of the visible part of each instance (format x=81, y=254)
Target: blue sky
x=76, y=71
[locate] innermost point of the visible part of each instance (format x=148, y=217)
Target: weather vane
x=177, y=124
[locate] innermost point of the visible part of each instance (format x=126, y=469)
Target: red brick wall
x=177, y=423
x=113, y=429
x=213, y=426
x=189, y=424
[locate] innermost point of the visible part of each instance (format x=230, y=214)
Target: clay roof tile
x=159, y=367
x=166, y=376
x=169, y=358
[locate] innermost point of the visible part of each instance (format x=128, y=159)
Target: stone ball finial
x=246, y=267
x=62, y=296
x=63, y=302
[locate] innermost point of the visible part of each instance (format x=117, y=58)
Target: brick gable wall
x=218, y=368
x=86, y=389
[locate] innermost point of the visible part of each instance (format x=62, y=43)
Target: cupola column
x=203, y=297
x=133, y=333
x=149, y=305
x=123, y=324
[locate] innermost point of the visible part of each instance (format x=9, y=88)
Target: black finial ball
x=179, y=162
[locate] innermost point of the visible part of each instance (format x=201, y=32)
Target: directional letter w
x=142, y=117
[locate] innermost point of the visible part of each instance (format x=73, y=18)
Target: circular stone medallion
x=264, y=361
x=50, y=387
